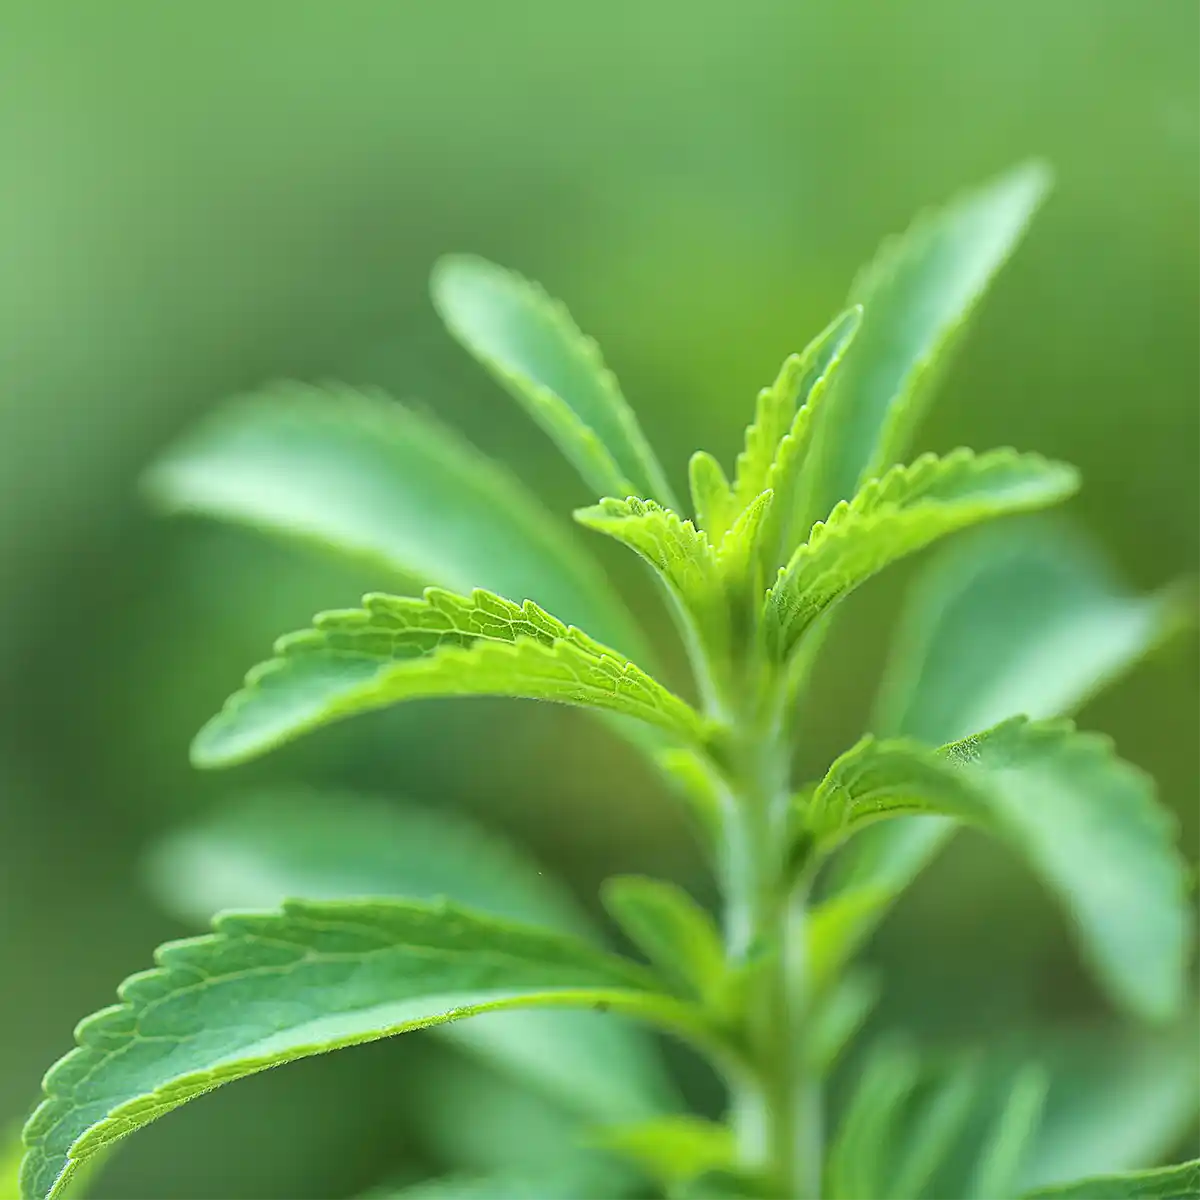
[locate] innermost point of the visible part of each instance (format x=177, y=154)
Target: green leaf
x=931, y=1134
x=780, y=454
x=861, y=1150
x=261, y=849
x=917, y=297
x=402, y=648
x=838, y=1016
x=361, y=475
x=682, y=557
x=1025, y=618
x=533, y=349
x=906, y=510
x=737, y=554
x=555, y=1184
x=697, y=782
x=267, y=988
x=712, y=497
x=672, y=930
x=672, y=1149
x=1014, y=1129
x=1086, y=821
x=1179, y=1182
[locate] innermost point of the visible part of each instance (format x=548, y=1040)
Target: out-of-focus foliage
x=199, y=200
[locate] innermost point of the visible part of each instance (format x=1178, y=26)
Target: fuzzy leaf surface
x=1179, y=1182
x=712, y=495
x=404, y=648
x=263, y=848
x=906, y=510
x=529, y=343
x=1027, y=619
x=1086, y=821
x=267, y=988
x=917, y=296
x=361, y=475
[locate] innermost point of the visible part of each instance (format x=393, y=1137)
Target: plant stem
x=777, y=1112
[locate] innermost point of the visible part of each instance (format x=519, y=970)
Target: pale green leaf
x=700, y=786
x=1087, y=822
x=267, y=988
x=532, y=347
x=932, y=1132
x=1021, y=619
x=1179, y=1182
x=1008, y=1141
x=906, y=510
x=917, y=297
x=672, y=1149
x=359, y=474
x=672, y=930
x=712, y=497
x=835, y=928
x=403, y=648
x=838, y=1016
x=261, y=849
x=682, y=557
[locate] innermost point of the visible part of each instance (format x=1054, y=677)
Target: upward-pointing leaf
x=712, y=497
x=532, y=347
x=403, y=648
x=260, y=849
x=268, y=988
x=917, y=297
x=1086, y=821
x=359, y=474
x=906, y=510
x=1179, y=1182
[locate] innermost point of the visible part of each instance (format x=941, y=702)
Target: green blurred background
x=198, y=199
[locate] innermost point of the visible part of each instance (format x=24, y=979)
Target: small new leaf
x=404, y=648
x=918, y=296
x=267, y=988
x=672, y=1150
x=906, y=510
x=712, y=497
x=532, y=347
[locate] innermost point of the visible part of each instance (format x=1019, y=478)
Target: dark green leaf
x=917, y=296
x=1180, y=1182
x=931, y=1133
x=359, y=474
x=906, y=510
x=267, y=988
x=532, y=347
x=402, y=648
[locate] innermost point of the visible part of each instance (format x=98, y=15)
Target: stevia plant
x=409, y=920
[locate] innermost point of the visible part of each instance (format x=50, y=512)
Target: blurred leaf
x=906, y=510
x=1024, y=619
x=1087, y=822
x=1120, y=1098
x=402, y=648
x=860, y=1152
x=838, y=1016
x=671, y=929
x=672, y=1149
x=1008, y=1143
x=267, y=988
x=532, y=347
x=502, y=1185
x=1179, y=1182
x=931, y=1133
x=260, y=850
x=917, y=297
x=359, y=474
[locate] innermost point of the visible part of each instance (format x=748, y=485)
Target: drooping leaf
x=906, y=510
x=1022, y=619
x=682, y=557
x=671, y=929
x=261, y=849
x=361, y=475
x=672, y=1149
x=532, y=347
x=712, y=497
x=403, y=648
x=932, y=1132
x=917, y=297
x=267, y=988
x=1179, y=1182
x=1014, y=1128
x=1087, y=822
